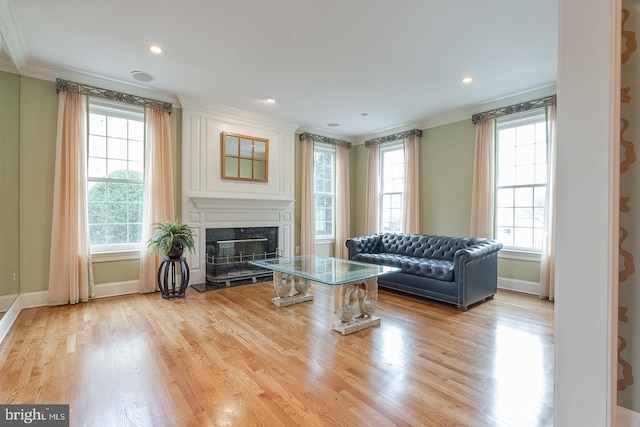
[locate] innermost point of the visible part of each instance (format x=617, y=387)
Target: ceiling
x=366, y=65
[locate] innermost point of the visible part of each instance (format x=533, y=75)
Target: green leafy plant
x=171, y=238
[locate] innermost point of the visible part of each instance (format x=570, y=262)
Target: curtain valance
x=516, y=108
x=67, y=86
x=394, y=137
x=325, y=139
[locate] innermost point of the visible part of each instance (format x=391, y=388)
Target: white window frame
x=319, y=147
x=126, y=251
x=385, y=148
x=521, y=119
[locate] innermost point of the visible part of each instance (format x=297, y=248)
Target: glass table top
x=330, y=271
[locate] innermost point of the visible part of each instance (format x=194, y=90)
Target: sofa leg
x=462, y=307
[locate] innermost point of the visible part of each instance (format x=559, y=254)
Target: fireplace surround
x=229, y=250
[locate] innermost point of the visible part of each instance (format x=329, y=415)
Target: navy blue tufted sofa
x=456, y=270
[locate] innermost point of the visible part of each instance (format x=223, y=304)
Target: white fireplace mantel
x=242, y=202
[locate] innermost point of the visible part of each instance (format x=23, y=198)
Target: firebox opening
x=228, y=252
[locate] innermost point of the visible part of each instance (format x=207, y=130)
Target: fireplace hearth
x=228, y=252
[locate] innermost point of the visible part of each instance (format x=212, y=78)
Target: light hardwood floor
x=231, y=358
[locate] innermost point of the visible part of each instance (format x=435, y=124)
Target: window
x=324, y=189
x=391, y=187
x=115, y=176
x=521, y=180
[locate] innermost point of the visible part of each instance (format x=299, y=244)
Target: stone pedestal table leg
x=354, y=305
x=283, y=290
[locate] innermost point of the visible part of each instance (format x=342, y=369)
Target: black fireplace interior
x=229, y=250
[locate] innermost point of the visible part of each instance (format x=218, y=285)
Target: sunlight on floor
x=519, y=375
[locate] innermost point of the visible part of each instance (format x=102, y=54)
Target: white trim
x=12, y=38
x=517, y=285
x=117, y=288
x=627, y=418
x=34, y=299
x=6, y=301
x=521, y=255
x=115, y=256
x=9, y=318
x=325, y=240
x=586, y=320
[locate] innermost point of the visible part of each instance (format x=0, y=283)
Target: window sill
x=115, y=255
x=519, y=255
x=325, y=241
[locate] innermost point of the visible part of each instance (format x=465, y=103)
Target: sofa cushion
x=423, y=246
x=431, y=268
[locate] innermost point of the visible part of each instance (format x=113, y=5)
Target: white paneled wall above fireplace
x=208, y=201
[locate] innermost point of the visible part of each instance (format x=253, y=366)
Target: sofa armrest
x=476, y=272
x=476, y=251
x=363, y=245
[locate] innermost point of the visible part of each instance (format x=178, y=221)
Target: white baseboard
x=6, y=301
x=519, y=285
x=117, y=288
x=627, y=418
x=9, y=317
x=33, y=299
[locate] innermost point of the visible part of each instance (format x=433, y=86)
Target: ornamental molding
x=516, y=108
x=68, y=86
x=394, y=137
x=325, y=139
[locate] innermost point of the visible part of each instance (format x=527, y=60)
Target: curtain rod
x=325, y=139
x=516, y=108
x=394, y=137
x=67, y=86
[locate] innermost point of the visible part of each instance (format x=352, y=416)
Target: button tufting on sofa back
x=423, y=246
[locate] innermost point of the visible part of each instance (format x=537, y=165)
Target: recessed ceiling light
x=155, y=49
x=142, y=76
x=270, y=100
x=333, y=125
x=467, y=80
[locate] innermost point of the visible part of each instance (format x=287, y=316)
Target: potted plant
x=171, y=238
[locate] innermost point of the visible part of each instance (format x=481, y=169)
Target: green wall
x=446, y=177
x=39, y=113
x=9, y=181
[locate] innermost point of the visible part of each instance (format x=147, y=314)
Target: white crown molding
x=463, y=113
x=11, y=35
x=235, y=115
x=49, y=72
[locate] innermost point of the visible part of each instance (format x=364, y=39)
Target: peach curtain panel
x=307, y=222
x=482, y=191
x=70, y=279
x=372, y=202
x=548, y=255
x=411, y=212
x=158, y=191
x=343, y=202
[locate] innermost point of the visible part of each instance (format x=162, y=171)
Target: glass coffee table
x=355, y=286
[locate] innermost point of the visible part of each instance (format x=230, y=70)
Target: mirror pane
x=245, y=168
x=259, y=150
x=259, y=170
x=231, y=146
x=231, y=166
x=246, y=148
